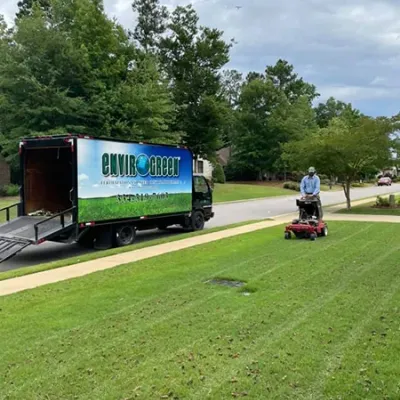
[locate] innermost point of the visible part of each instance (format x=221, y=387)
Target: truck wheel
x=125, y=235
x=197, y=223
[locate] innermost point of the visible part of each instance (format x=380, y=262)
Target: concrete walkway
x=19, y=284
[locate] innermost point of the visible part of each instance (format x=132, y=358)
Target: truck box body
x=127, y=180
x=73, y=183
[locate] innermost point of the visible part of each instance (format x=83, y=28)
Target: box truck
x=100, y=192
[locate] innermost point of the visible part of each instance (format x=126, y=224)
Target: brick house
x=4, y=172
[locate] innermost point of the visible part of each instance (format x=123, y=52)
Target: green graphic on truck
x=126, y=180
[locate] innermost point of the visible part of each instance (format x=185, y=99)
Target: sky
x=350, y=49
x=92, y=183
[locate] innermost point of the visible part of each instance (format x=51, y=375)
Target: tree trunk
x=346, y=188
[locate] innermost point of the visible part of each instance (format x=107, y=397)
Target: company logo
x=129, y=165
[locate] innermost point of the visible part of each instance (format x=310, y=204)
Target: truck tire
x=197, y=221
x=125, y=235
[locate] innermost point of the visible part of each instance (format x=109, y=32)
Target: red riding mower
x=309, y=225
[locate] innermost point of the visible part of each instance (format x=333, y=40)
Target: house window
x=200, y=167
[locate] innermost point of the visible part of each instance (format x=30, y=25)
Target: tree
x=282, y=75
x=25, y=7
x=251, y=76
x=333, y=108
x=267, y=119
x=255, y=141
x=344, y=149
x=192, y=57
x=142, y=106
x=152, y=23
x=75, y=70
x=231, y=83
x=218, y=174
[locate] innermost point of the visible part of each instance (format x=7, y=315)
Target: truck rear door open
x=48, y=185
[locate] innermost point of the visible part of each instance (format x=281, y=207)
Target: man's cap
x=311, y=170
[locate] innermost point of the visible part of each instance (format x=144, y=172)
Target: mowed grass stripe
x=337, y=353
x=231, y=317
x=166, y=318
x=193, y=280
x=299, y=320
x=236, y=316
x=148, y=344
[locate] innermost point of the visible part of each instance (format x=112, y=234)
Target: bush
x=9, y=190
x=382, y=201
x=357, y=185
x=292, y=186
x=218, y=174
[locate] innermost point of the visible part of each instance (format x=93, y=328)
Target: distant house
x=4, y=172
x=203, y=167
x=392, y=171
x=224, y=155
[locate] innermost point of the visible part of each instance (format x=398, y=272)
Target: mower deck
x=306, y=229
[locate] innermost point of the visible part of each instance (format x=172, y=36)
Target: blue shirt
x=310, y=185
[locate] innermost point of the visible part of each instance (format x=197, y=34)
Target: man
x=310, y=187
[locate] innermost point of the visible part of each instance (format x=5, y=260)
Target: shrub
x=292, y=186
x=9, y=190
x=382, y=201
x=218, y=174
x=357, y=185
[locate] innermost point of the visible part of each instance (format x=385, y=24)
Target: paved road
x=224, y=214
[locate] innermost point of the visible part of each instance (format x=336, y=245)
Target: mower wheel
x=324, y=231
x=288, y=235
x=313, y=236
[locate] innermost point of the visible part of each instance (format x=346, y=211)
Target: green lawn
x=234, y=192
x=368, y=209
x=321, y=322
x=5, y=202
